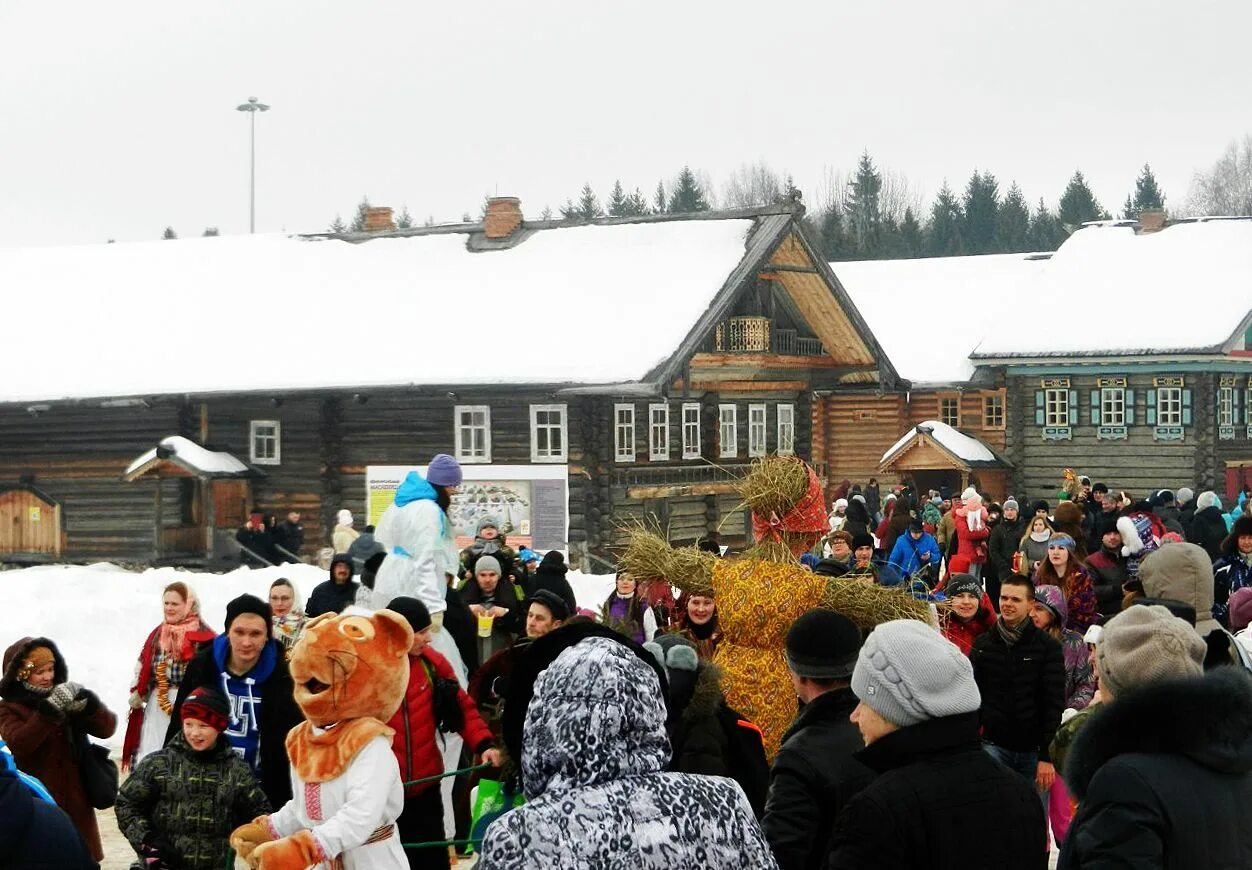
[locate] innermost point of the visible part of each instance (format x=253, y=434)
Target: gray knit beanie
x=907, y=673
x=1011, y=504
x=1145, y=644
x=486, y=563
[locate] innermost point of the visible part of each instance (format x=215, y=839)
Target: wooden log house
x=648, y=360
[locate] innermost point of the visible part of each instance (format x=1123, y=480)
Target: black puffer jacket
x=1208, y=529
x=813, y=778
x=1022, y=687
x=1163, y=777
x=1005, y=538
x=939, y=802
x=191, y=801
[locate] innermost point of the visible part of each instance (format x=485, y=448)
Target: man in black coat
x=1020, y=671
x=1208, y=525
x=1109, y=573
x=815, y=774
x=289, y=534
x=335, y=593
x=249, y=667
x=1003, y=544
x=1163, y=769
x=1106, y=519
x=939, y=801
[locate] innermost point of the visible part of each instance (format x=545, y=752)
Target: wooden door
x=231, y=500
x=28, y=524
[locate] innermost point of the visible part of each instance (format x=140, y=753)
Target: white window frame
x=1056, y=406
x=624, y=433
x=1168, y=397
x=548, y=454
x=658, y=432
x=691, y=430
x=757, y=430
x=786, y=429
x=1112, y=406
x=728, y=431
x=1225, y=406
x=464, y=452
x=993, y=403
x=256, y=458
x=955, y=421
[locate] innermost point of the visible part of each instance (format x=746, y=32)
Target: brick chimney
x=378, y=219
x=1151, y=220
x=504, y=216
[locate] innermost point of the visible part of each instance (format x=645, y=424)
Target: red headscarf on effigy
x=807, y=518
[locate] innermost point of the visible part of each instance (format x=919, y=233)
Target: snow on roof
x=192, y=454
x=929, y=314
x=957, y=443
x=585, y=304
x=1106, y=291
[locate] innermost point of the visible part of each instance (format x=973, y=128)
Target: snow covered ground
x=100, y=614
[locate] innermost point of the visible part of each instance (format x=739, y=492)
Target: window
x=786, y=429
x=691, y=430
x=624, y=433
x=1056, y=407
x=547, y=433
x=993, y=412
x=265, y=442
x=658, y=432
x=1169, y=406
x=1112, y=406
x=473, y=433
x=950, y=410
x=727, y=431
x=756, y=430
x=1225, y=406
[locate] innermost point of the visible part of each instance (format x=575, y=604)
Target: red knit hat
x=208, y=706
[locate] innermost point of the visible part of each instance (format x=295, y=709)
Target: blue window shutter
x=1151, y=419
x=1095, y=407
x=1039, y=418
x=1073, y=407
x=1130, y=407
x=1186, y=407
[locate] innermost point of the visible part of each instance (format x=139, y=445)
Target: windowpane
x=658, y=432
x=786, y=429
x=1169, y=406
x=473, y=433
x=1226, y=406
x=1057, y=408
x=691, y=431
x=993, y=412
x=624, y=432
x=950, y=411
x=264, y=446
x=547, y=433
x=1113, y=406
x=728, y=431
x=756, y=430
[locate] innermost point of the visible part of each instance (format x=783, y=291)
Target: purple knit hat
x=1240, y=608
x=444, y=471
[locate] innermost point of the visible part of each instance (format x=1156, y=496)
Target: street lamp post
x=252, y=107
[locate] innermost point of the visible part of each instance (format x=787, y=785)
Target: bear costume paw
x=245, y=838
x=297, y=852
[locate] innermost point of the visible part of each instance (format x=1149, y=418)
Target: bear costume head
x=351, y=665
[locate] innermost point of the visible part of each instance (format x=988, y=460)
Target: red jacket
x=963, y=634
x=968, y=549
x=414, y=744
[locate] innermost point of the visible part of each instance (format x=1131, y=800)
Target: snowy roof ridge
x=962, y=446
x=192, y=456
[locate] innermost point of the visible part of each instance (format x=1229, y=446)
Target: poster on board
x=529, y=503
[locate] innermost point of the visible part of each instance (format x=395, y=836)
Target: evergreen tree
x=588, y=204
x=169, y=234
x=912, y=239
x=943, y=235
x=619, y=202
x=358, y=222
x=981, y=205
x=1078, y=204
x=337, y=226
x=210, y=231
x=790, y=193
x=1013, y=222
x=405, y=220
x=547, y=213
x=569, y=211
x=636, y=204
x=864, y=214
x=659, y=201
x=1046, y=232
x=830, y=231
x=687, y=195
x=1147, y=195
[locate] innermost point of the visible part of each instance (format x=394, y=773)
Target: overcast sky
x=119, y=119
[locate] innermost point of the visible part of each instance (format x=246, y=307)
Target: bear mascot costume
x=350, y=671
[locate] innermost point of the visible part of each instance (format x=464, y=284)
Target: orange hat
x=36, y=658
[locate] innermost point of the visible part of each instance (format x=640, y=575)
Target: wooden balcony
x=760, y=335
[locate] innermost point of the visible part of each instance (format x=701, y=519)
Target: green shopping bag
x=492, y=800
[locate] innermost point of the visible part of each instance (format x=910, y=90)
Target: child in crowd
x=180, y=804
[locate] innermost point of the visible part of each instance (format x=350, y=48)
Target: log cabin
x=587, y=376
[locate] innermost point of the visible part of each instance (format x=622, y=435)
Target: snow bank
x=99, y=615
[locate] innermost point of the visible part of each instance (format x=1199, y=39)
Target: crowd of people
x=1078, y=686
